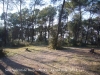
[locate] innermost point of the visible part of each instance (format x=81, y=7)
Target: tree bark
x=98, y=38
x=5, y=31
x=45, y=34
x=59, y=23
x=21, y=36
x=49, y=29
x=80, y=22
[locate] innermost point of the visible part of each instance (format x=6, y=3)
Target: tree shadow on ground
x=78, y=51
x=2, y=68
x=22, y=69
x=39, y=60
x=94, y=68
x=47, y=52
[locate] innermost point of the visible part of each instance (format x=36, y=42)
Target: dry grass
x=70, y=61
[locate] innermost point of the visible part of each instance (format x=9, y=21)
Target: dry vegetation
x=44, y=61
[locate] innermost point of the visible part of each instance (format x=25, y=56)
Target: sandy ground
x=69, y=61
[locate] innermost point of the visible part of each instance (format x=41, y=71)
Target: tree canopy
x=62, y=18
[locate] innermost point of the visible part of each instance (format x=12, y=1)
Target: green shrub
x=2, y=53
x=73, y=42
x=68, y=42
x=52, y=43
x=52, y=40
x=39, y=43
x=40, y=39
x=17, y=43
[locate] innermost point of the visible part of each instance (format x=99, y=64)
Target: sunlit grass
x=19, y=50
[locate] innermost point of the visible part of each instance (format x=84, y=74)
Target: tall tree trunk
x=6, y=20
x=98, y=38
x=32, y=33
x=59, y=23
x=86, y=35
x=88, y=26
x=45, y=34
x=49, y=29
x=21, y=36
x=5, y=31
x=28, y=35
x=27, y=32
x=80, y=22
x=33, y=25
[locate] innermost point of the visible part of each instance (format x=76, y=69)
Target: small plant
x=52, y=42
x=2, y=53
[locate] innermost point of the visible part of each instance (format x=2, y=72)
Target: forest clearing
x=49, y=37
x=40, y=60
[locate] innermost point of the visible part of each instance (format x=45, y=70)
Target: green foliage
x=14, y=18
x=71, y=42
x=26, y=23
x=41, y=40
x=18, y=43
x=2, y=53
x=74, y=42
x=38, y=43
x=59, y=42
x=52, y=40
x=3, y=16
x=79, y=2
x=68, y=42
x=48, y=12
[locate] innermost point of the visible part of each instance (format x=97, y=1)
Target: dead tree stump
x=92, y=50
x=26, y=48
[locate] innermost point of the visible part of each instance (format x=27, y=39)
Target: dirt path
x=70, y=61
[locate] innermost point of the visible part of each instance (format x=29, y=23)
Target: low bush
x=18, y=43
x=39, y=43
x=52, y=41
x=2, y=53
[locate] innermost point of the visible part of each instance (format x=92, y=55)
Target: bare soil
x=44, y=61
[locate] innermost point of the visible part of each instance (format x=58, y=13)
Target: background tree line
x=78, y=22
